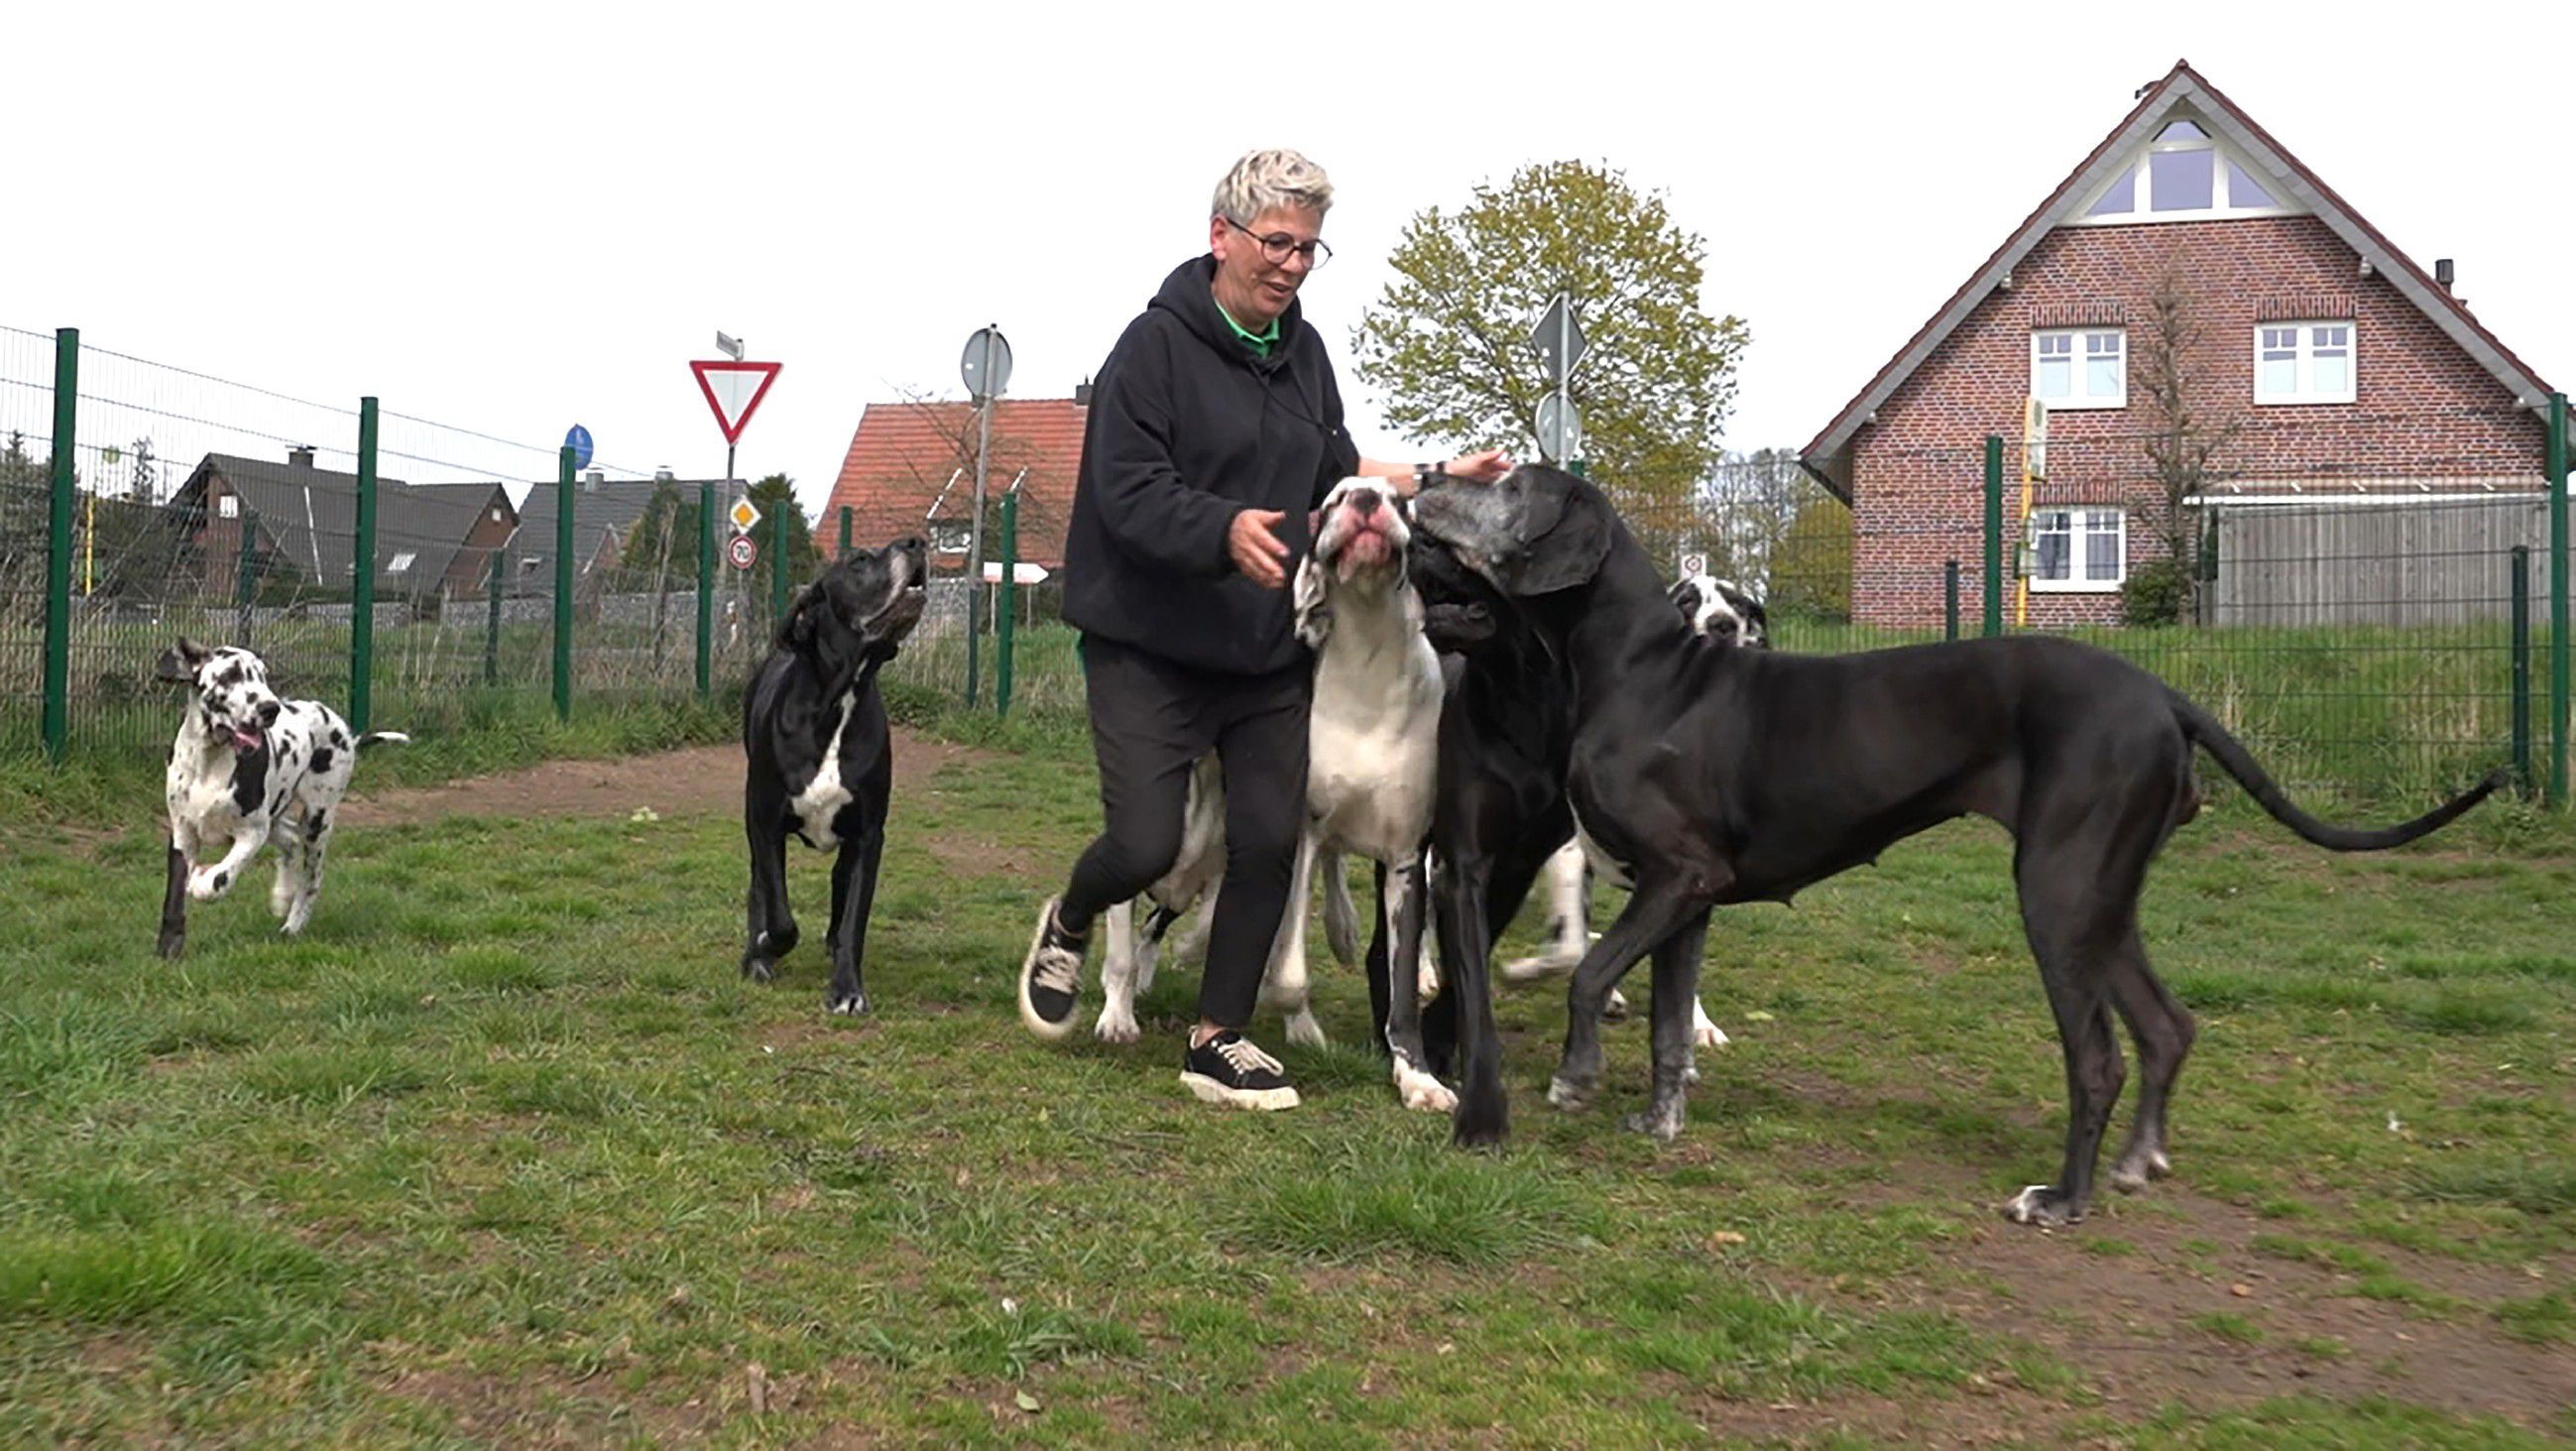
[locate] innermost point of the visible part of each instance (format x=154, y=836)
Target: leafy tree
x=1447, y=344
x=1811, y=571
x=775, y=496
x=2186, y=432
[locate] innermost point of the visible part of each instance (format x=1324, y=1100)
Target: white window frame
x=402, y=561
x=228, y=506
x=2142, y=200
x=943, y=531
x=2082, y=525
x=2079, y=355
x=2304, y=345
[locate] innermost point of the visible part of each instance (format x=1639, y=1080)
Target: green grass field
x=503, y=1152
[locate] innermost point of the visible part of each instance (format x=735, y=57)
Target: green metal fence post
x=245, y=575
x=2558, y=651
x=2522, y=666
x=58, y=548
x=1950, y=600
x=1994, y=535
x=845, y=533
x=563, y=583
x=492, y=620
x=362, y=564
x=706, y=584
x=778, y=563
x=1010, y=601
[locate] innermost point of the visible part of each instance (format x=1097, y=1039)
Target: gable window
x=2184, y=174
x=228, y=506
x=2303, y=362
x=401, y=562
x=949, y=537
x=2080, y=367
x=2081, y=547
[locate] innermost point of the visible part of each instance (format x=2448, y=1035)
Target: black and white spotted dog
x=1729, y=615
x=249, y=768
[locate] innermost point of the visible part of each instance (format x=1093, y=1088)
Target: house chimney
x=1082, y=393
x=662, y=475
x=2441, y=273
x=590, y=481
x=299, y=456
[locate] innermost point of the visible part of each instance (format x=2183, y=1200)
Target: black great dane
x=1713, y=775
x=819, y=758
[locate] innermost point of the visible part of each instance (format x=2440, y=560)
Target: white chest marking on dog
x=825, y=795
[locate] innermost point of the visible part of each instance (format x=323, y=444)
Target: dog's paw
x=1303, y=1030
x=207, y=883
x=1523, y=969
x=846, y=1004
x=2138, y=1168
x=1422, y=1092
x=172, y=944
x=1614, y=1008
x=759, y=969
x=1709, y=1035
x=1661, y=1125
x=1116, y=1025
x=1569, y=1095
x=2044, y=1205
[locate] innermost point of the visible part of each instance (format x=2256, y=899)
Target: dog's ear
x=797, y=630
x=1564, y=534
x=179, y=663
x=1314, y=615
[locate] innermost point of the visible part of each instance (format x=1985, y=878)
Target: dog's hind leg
x=2163, y=1030
x=174, y=904
x=1568, y=931
x=288, y=839
x=854, y=891
x=1655, y=911
x=771, y=933
x=1676, y=998
x=2062, y=914
x=309, y=857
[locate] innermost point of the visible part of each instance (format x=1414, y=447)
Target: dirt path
x=700, y=780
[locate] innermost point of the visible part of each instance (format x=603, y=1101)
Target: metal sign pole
x=975, y=553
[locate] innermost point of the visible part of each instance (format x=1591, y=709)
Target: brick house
x=433, y=541
x=910, y=469
x=2346, y=371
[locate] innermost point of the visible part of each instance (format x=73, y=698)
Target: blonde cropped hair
x=1266, y=179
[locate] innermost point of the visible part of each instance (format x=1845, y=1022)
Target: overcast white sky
x=516, y=217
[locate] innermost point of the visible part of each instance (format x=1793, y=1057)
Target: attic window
x=950, y=538
x=228, y=506
x=401, y=562
x=2184, y=174
x=496, y=514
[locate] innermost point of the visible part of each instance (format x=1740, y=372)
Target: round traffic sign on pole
x=986, y=364
x=741, y=552
x=1560, y=429
x=579, y=442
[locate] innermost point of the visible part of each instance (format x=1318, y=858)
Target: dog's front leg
x=1414, y=1084
x=1117, y=1022
x=1654, y=911
x=174, y=903
x=207, y=883
x=1459, y=920
x=854, y=891
x=1284, y=985
x=1676, y=989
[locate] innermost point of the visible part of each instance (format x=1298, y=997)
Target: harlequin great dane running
x=249, y=768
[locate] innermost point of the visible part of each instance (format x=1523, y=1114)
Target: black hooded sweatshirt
x=1189, y=427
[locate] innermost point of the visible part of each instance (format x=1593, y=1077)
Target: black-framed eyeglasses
x=1278, y=246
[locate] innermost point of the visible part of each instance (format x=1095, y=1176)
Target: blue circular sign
x=579, y=442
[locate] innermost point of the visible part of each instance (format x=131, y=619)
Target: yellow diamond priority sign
x=745, y=518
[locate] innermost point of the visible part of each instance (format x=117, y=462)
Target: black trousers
x=1151, y=720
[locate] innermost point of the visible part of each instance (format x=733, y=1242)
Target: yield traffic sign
x=734, y=391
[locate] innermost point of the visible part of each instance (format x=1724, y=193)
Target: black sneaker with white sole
x=1051, y=977
x=1227, y=1069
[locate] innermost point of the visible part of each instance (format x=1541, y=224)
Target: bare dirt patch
x=700, y=780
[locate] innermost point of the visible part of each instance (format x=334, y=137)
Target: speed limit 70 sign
x=741, y=551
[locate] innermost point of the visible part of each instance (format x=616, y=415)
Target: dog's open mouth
x=243, y=740
x=1361, y=546
x=902, y=611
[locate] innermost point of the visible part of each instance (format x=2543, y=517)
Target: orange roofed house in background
x=911, y=470
x=2350, y=375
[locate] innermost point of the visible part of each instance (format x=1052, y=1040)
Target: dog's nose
x=267, y=713
x=1364, y=502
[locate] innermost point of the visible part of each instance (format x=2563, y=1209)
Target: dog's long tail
x=2203, y=729
x=382, y=738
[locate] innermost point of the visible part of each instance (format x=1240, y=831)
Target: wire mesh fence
x=402, y=569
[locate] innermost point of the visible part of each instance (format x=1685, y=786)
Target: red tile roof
x=904, y=455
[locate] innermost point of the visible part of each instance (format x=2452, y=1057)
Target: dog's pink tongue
x=245, y=739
